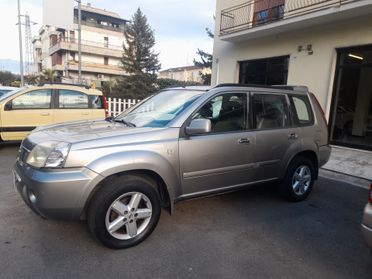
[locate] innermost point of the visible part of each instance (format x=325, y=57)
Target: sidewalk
x=353, y=166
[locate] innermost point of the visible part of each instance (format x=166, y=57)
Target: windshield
x=6, y=93
x=160, y=109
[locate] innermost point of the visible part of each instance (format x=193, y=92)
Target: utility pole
x=79, y=39
x=20, y=44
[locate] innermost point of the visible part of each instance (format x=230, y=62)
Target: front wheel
x=299, y=179
x=124, y=211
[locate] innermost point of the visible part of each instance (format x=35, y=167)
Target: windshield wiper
x=129, y=124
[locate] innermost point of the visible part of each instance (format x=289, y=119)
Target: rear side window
x=37, y=99
x=97, y=102
x=69, y=99
x=301, y=110
x=270, y=111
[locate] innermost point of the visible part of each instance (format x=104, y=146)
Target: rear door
x=71, y=105
x=276, y=138
x=24, y=113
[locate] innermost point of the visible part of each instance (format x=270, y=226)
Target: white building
x=186, y=73
x=323, y=44
x=102, y=47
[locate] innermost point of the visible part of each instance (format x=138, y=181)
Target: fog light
x=32, y=197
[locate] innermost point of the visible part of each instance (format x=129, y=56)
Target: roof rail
x=61, y=83
x=283, y=87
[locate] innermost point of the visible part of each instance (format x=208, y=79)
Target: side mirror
x=8, y=106
x=199, y=126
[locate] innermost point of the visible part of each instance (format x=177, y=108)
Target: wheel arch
x=161, y=187
x=311, y=155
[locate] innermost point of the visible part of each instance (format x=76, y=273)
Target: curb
x=342, y=177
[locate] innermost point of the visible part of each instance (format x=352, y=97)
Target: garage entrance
x=351, y=110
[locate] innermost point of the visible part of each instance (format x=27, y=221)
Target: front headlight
x=51, y=154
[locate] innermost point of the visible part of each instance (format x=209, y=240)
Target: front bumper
x=367, y=224
x=55, y=194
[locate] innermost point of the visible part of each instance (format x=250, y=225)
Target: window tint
x=72, y=99
x=270, y=111
x=301, y=110
x=227, y=112
x=38, y=99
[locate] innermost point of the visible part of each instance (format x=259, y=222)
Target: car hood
x=81, y=131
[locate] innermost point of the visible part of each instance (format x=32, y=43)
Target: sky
x=179, y=25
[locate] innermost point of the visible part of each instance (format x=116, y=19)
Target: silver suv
x=178, y=144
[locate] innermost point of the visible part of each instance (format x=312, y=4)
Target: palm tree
x=49, y=75
x=33, y=79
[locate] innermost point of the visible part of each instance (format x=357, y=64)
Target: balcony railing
x=87, y=43
x=255, y=13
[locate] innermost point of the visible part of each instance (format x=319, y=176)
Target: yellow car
x=24, y=109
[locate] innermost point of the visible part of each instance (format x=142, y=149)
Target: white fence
x=117, y=106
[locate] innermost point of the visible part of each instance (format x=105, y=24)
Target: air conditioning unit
x=101, y=76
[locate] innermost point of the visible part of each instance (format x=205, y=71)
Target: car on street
x=367, y=220
x=6, y=89
x=181, y=143
x=24, y=109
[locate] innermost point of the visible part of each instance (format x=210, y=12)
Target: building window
x=72, y=36
x=268, y=71
x=106, y=40
x=106, y=60
x=56, y=59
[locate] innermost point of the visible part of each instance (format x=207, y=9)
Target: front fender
x=141, y=160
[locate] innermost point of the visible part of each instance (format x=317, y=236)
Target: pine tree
x=206, y=61
x=139, y=59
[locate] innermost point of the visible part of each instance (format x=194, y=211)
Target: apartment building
x=186, y=73
x=102, y=47
x=323, y=44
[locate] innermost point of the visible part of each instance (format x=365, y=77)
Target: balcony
x=261, y=18
x=89, y=47
x=90, y=67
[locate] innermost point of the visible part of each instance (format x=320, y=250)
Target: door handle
x=244, y=141
x=45, y=114
x=293, y=136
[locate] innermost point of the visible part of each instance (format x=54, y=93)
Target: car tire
x=299, y=180
x=124, y=211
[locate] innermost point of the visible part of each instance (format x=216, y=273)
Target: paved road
x=246, y=234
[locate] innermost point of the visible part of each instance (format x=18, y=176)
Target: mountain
x=9, y=65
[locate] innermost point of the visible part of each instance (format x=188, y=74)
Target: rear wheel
x=124, y=211
x=299, y=179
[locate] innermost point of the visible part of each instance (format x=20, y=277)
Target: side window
x=301, y=110
x=37, y=99
x=227, y=112
x=97, y=101
x=270, y=111
x=69, y=99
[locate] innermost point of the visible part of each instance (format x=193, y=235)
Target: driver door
x=223, y=158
